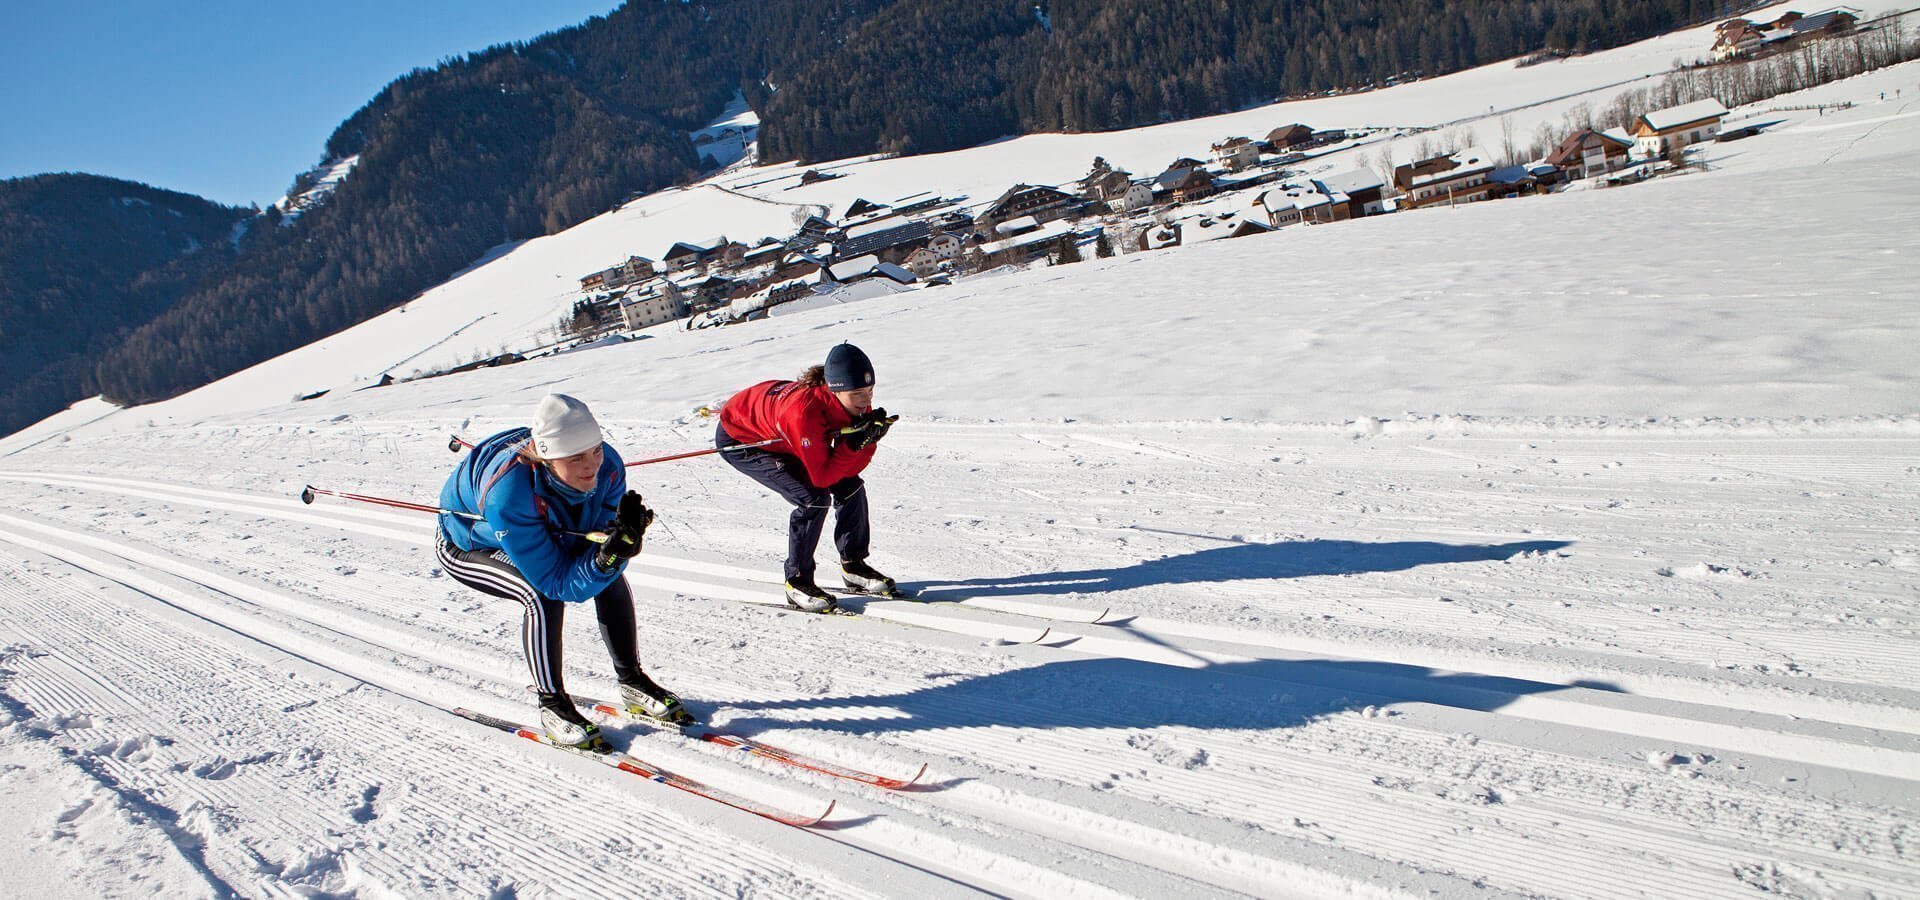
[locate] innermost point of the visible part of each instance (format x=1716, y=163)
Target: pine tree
x=1066, y=251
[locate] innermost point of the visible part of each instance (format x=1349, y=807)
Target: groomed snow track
x=261, y=683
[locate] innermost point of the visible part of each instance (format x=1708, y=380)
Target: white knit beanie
x=562, y=427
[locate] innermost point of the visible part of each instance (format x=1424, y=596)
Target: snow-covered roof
x=1822, y=19
x=1051, y=231
x=682, y=248
x=1471, y=161
x=1017, y=223
x=896, y=273
x=855, y=267
x=1684, y=114
x=1351, y=181
x=871, y=226
x=1173, y=178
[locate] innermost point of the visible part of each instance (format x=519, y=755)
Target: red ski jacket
x=806, y=419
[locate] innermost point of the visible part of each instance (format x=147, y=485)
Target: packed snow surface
x=1549, y=547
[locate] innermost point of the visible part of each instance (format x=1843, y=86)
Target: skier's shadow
x=1129, y=694
x=1284, y=559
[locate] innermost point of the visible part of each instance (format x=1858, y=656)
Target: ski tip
x=910, y=782
x=1103, y=614
x=822, y=817
x=1043, y=636
x=306, y=495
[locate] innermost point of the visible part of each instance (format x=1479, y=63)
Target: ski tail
x=762, y=750
x=635, y=766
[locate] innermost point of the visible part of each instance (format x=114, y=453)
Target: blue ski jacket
x=528, y=511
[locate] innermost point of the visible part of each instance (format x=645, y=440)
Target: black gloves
x=868, y=429
x=623, y=539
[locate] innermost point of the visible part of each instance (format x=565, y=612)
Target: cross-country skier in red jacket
x=827, y=426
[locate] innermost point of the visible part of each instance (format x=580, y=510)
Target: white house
x=645, y=310
x=1137, y=196
x=1664, y=130
x=1237, y=153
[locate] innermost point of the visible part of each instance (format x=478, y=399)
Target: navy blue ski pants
x=491, y=572
x=784, y=475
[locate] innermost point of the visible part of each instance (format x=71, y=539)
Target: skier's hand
x=634, y=515
x=623, y=539
x=873, y=427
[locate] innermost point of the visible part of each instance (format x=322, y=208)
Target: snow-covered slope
x=1560, y=546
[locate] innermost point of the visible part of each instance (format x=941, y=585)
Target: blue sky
x=228, y=100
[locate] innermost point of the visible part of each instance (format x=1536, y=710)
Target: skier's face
x=858, y=402
x=578, y=471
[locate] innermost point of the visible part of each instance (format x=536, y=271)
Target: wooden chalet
x=1745, y=38
x=1106, y=186
x=861, y=206
x=1587, y=153
x=1184, y=185
x=1445, y=180
x=1352, y=193
x=1044, y=204
x=687, y=255
x=892, y=241
x=1288, y=137
x=635, y=269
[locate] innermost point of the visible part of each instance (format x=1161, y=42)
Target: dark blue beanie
x=848, y=369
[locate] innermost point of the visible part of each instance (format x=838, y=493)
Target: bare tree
x=1385, y=165
x=1545, y=139
x=1509, y=150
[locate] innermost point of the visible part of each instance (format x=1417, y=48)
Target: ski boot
x=640, y=696
x=864, y=579
x=805, y=596
x=566, y=727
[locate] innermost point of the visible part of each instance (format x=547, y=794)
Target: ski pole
x=457, y=443
x=309, y=492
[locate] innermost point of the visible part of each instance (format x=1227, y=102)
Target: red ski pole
x=308, y=493
x=457, y=443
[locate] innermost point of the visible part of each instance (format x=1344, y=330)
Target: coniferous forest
x=527, y=139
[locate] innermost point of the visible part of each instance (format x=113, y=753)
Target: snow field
x=1387, y=698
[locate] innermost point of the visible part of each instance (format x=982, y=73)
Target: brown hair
x=814, y=376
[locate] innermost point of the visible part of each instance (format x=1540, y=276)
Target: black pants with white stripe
x=490, y=572
x=784, y=475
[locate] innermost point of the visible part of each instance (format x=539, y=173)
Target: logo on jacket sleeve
x=806, y=442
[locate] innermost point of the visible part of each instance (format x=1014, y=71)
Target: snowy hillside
x=1561, y=547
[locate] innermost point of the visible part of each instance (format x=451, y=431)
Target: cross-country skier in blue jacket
x=538, y=492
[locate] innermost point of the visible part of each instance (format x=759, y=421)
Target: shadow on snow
x=1131, y=694
x=1286, y=559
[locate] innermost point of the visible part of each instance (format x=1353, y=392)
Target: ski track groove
x=1304, y=779
x=342, y=723
x=556, y=862
x=1066, y=885
x=1156, y=626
